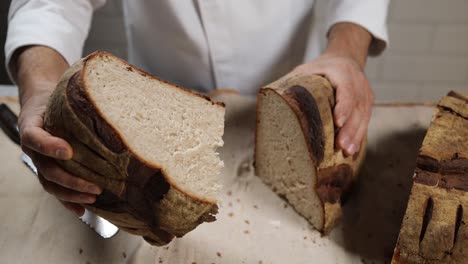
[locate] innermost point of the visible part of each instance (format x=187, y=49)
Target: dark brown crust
x=145, y=186
x=305, y=108
x=88, y=115
x=145, y=74
x=454, y=165
x=396, y=257
x=334, y=182
x=446, y=181
x=458, y=96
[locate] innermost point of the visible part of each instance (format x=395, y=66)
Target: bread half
x=149, y=144
x=434, y=228
x=295, y=152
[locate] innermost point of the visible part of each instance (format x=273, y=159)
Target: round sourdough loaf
x=295, y=150
x=145, y=193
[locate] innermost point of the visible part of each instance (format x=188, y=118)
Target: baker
x=200, y=45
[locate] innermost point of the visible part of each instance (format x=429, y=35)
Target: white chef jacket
x=199, y=44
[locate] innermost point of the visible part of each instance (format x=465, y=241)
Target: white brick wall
x=427, y=56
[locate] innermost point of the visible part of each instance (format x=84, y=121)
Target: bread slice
x=295, y=150
x=434, y=228
x=151, y=145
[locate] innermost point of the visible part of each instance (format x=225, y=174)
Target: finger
x=345, y=103
x=65, y=194
x=39, y=140
x=348, y=132
x=75, y=208
x=52, y=172
x=362, y=131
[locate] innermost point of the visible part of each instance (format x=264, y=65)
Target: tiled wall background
x=428, y=53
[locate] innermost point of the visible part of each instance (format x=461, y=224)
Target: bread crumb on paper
x=218, y=254
x=231, y=214
x=247, y=222
x=246, y=232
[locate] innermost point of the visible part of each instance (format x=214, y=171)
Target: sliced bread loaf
x=434, y=228
x=149, y=144
x=295, y=152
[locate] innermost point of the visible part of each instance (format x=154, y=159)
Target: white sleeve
x=59, y=24
x=369, y=14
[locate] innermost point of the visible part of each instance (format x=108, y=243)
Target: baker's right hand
x=41, y=146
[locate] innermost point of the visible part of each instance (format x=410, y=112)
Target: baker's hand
x=42, y=147
x=354, y=97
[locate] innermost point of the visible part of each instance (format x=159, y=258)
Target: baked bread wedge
x=295, y=152
x=149, y=144
x=434, y=228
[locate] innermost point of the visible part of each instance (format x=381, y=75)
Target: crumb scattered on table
x=229, y=193
x=231, y=214
x=218, y=254
x=124, y=254
x=255, y=206
x=246, y=232
x=247, y=222
x=230, y=204
x=305, y=237
x=238, y=200
x=81, y=251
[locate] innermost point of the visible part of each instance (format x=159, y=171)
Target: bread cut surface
x=295, y=152
x=434, y=228
x=161, y=124
x=150, y=145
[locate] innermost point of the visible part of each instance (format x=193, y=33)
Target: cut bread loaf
x=149, y=144
x=295, y=152
x=434, y=228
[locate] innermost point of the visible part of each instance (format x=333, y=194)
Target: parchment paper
x=253, y=226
